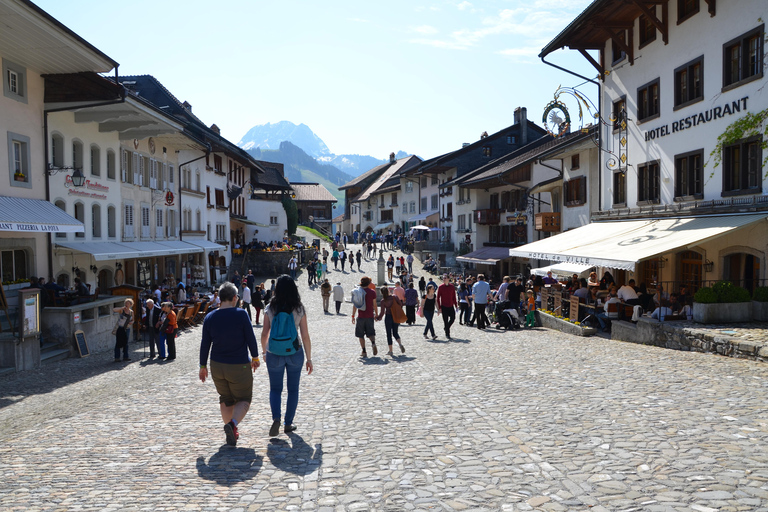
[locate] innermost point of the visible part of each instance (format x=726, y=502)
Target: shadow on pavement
x=375, y=360
x=230, y=465
x=296, y=457
x=452, y=340
x=402, y=359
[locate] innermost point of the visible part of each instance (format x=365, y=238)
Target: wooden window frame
x=728, y=189
x=649, y=183
x=619, y=185
x=646, y=30
x=679, y=195
x=650, y=110
x=740, y=41
x=687, y=15
x=688, y=67
x=575, y=192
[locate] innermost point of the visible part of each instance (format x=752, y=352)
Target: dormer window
x=510, y=139
x=487, y=151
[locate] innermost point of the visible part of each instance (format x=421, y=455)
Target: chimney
x=521, y=118
x=484, y=135
x=392, y=158
x=216, y=129
x=187, y=106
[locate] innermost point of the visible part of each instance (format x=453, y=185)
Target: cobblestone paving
x=533, y=420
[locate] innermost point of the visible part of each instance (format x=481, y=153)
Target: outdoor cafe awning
x=381, y=226
x=485, y=256
x=106, y=251
x=35, y=216
x=563, y=269
x=622, y=244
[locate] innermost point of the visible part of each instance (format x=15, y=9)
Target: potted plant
x=760, y=304
x=722, y=303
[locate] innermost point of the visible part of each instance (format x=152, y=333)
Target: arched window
x=95, y=160
x=77, y=154
x=111, y=222
x=63, y=206
x=96, y=220
x=111, y=165
x=197, y=180
x=198, y=219
x=80, y=215
x=57, y=150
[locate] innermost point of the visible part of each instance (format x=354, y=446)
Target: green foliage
x=292, y=213
x=705, y=296
x=761, y=294
x=317, y=234
x=727, y=292
x=722, y=292
x=753, y=124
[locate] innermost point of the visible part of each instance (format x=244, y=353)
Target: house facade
x=697, y=208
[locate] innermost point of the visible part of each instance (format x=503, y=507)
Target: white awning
x=418, y=218
x=208, y=246
x=101, y=251
x=622, y=244
x=181, y=247
x=485, y=256
x=105, y=251
x=35, y=216
x=381, y=226
x=563, y=269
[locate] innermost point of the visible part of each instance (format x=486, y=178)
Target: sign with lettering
x=82, y=344
x=40, y=228
x=697, y=119
x=573, y=314
x=557, y=306
x=544, y=297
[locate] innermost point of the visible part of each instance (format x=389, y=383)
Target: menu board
x=557, y=307
x=574, y=313
x=544, y=298
x=82, y=344
x=31, y=315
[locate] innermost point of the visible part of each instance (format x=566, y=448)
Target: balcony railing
x=490, y=216
x=712, y=206
x=547, y=221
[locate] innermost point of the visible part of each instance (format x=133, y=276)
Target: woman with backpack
x=387, y=303
x=284, y=349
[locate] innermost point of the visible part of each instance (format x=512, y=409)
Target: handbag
x=398, y=315
x=420, y=312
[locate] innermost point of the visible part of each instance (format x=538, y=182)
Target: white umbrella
x=420, y=227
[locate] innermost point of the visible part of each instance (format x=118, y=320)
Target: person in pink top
x=447, y=304
x=399, y=292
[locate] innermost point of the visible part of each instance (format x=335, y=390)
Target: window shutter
x=583, y=189
x=170, y=174
x=142, y=183
x=135, y=162
x=124, y=165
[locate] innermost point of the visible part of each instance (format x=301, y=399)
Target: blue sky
x=367, y=77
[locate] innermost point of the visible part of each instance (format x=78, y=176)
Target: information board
x=557, y=307
x=82, y=344
x=31, y=315
x=544, y=298
x=574, y=312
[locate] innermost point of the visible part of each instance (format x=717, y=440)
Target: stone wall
x=681, y=336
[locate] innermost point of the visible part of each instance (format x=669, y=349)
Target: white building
x=674, y=78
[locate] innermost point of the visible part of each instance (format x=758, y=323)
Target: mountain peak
x=270, y=135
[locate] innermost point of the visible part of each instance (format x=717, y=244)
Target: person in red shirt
x=447, y=304
x=364, y=326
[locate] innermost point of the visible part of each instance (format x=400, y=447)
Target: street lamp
x=78, y=179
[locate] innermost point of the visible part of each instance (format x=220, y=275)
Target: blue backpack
x=283, y=338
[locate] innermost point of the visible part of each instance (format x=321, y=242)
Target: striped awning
x=35, y=216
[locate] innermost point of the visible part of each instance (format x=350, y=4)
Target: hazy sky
x=366, y=77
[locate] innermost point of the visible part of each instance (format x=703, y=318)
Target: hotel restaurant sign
x=698, y=119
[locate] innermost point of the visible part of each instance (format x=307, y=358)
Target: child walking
x=530, y=318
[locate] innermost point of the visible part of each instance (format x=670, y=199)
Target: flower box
x=558, y=323
x=722, y=313
x=759, y=311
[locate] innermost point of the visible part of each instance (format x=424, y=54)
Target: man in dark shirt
x=228, y=337
x=250, y=280
x=447, y=304
x=82, y=289
x=515, y=292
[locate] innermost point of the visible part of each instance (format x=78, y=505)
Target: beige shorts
x=234, y=382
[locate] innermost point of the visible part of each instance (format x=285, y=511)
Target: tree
x=292, y=213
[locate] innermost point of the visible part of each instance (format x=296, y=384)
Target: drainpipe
x=599, y=132
x=207, y=152
x=46, y=150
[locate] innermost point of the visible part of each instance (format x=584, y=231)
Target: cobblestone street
x=526, y=420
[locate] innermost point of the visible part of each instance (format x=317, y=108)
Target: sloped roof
x=338, y=218
x=438, y=161
x=394, y=169
x=533, y=151
x=150, y=88
x=372, y=173
x=271, y=179
x=312, y=192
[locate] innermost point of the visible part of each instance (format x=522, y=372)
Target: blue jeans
x=468, y=317
x=293, y=273
x=276, y=367
x=429, y=327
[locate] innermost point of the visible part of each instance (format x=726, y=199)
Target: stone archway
x=104, y=280
x=743, y=266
